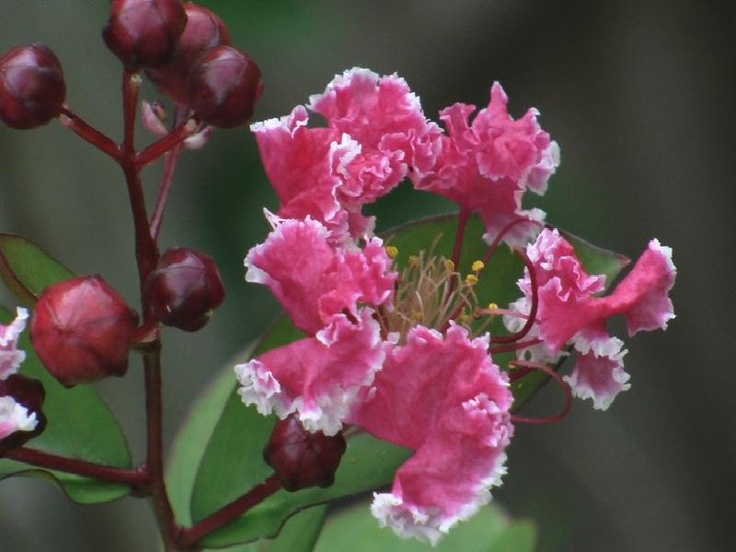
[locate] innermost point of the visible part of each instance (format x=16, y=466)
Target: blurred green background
x=639, y=94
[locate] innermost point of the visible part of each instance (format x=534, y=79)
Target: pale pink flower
x=15, y=417
x=442, y=396
x=487, y=165
x=10, y=356
x=571, y=312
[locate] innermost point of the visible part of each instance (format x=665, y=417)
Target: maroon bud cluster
x=184, y=289
x=302, y=459
x=30, y=394
x=143, y=33
x=224, y=86
x=204, y=30
x=32, y=87
x=82, y=330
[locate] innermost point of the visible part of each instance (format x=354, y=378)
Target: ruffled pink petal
x=10, y=356
x=443, y=397
x=298, y=162
x=379, y=112
x=318, y=378
x=293, y=262
x=643, y=296
x=313, y=279
x=487, y=165
x=15, y=417
x=599, y=373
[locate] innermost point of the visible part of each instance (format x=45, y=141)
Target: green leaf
x=232, y=462
x=490, y=530
x=26, y=269
x=80, y=426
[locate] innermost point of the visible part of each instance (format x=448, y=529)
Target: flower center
x=430, y=292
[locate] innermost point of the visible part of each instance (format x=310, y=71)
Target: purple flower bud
x=302, y=459
x=32, y=87
x=224, y=86
x=204, y=30
x=184, y=289
x=143, y=33
x=82, y=330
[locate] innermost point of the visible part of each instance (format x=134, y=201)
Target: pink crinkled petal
x=443, y=397
x=318, y=378
x=381, y=113
x=298, y=162
x=10, y=356
x=313, y=279
x=293, y=263
x=599, y=371
x=643, y=296
x=487, y=165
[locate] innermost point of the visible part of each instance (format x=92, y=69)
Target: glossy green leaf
x=26, y=269
x=490, y=530
x=232, y=462
x=80, y=425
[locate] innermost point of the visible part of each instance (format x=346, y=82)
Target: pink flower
x=487, y=165
x=442, y=396
x=571, y=312
x=10, y=356
x=375, y=129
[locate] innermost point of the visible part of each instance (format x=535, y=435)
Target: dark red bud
x=32, y=87
x=143, y=33
x=28, y=393
x=224, y=86
x=82, y=330
x=184, y=289
x=302, y=459
x=204, y=30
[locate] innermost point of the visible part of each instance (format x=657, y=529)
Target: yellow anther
x=413, y=261
x=492, y=306
x=471, y=279
x=392, y=251
x=449, y=265
x=477, y=266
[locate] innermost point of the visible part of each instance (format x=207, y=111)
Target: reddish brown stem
x=531, y=320
x=146, y=256
x=154, y=450
x=167, y=143
x=41, y=459
x=189, y=537
x=145, y=246
x=529, y=366
x=90, y=134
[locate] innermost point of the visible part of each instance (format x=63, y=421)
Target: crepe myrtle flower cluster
x=401, y=356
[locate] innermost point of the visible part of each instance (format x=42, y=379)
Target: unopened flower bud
x=21, y=418
x=184, y=289
x=224, y=86
x=82, y=330
x=204, y=30
x=143, y=33
x=32, y=87
x=302, y=459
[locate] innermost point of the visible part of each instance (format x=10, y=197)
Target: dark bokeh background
x=639, y=94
